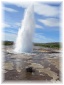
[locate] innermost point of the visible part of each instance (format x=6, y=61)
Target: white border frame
x=62, y=40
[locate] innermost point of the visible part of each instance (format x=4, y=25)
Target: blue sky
x=47, y=18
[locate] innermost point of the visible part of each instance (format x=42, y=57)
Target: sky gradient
x=47, y=19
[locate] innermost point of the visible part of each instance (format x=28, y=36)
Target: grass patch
x=50, y=45
x=8, y=43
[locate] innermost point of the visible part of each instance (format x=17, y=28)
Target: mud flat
x=45, y=63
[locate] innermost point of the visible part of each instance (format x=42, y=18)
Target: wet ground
x=44, y=62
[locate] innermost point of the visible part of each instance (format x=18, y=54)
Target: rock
x=30, y=69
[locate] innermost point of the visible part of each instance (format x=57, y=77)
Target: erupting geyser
x=25, y=34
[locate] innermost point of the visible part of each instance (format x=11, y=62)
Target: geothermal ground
x=45, y=63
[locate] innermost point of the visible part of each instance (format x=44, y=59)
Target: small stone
x=41, y=74
x=18, y=70
x=29, y=69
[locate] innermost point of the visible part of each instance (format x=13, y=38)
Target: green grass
x=8, y=43
x=50, y=45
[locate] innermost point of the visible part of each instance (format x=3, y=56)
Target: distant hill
x=8, y=42
x=50, y=45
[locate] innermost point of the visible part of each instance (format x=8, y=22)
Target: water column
x=24, y=41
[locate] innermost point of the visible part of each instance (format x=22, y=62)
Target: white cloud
x=38, y=26
x=47, y=10
x=9, y=9
x=50, y=22
x=40, y=38
x=11, y=31
x=9, y=36
x=18, y=24
x=12, y=25
x=39, y=8
x=5, y=25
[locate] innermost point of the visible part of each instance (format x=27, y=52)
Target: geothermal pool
x=44, y=61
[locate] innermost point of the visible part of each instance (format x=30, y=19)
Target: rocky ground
x=45, y=63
